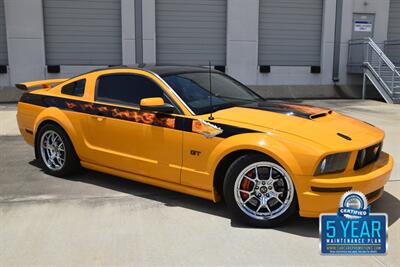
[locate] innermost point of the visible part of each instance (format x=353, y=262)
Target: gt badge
x=195, y=153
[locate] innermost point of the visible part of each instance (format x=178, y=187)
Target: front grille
x=367, y=156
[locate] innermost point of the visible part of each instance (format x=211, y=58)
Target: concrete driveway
x=94, y=219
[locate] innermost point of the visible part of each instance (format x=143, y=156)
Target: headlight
x=333, y=163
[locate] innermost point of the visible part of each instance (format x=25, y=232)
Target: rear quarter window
x=76, y=88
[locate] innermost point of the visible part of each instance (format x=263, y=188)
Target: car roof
x=161, y=70
x=167, y=70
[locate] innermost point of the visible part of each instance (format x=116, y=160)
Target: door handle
x=97, y=118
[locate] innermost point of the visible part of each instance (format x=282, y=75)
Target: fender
x=58, y=116
x=299, y=160
x=260, y=142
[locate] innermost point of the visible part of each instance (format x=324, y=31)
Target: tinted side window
x=75, y=88
x=127, y=89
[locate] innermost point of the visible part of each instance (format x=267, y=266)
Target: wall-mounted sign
x=362, y=26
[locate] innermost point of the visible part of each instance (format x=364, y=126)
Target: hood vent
x=319, y=115
x=344, y=136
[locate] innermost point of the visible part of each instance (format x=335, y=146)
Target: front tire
x=55, y=151
x=259, y=192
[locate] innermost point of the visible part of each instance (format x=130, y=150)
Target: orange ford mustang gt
x=162, y=125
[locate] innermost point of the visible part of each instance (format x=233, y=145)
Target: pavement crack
x=379, y=261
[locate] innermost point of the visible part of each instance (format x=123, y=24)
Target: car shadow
x=305, y=227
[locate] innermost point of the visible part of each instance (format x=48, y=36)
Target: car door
x=121, y=136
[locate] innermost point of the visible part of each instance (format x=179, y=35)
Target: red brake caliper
x=245, y=185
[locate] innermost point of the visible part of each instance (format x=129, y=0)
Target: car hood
x=320, y=125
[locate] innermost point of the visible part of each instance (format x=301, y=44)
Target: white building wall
x=128, y=32
x=381, y=10
x=242, y=40
x=25, y=39
x=149, y=31
x=4, y=79
x=26, y=50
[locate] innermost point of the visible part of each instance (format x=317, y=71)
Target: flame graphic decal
x=130, y=114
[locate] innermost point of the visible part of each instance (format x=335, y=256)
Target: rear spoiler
x=45, y=84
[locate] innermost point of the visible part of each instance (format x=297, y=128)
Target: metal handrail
x=381, y=67
x=385, y=85
x=382, y=56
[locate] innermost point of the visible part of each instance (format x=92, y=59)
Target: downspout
x=139, y=31
x=336, y=47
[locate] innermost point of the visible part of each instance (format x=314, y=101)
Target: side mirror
x=156, y=104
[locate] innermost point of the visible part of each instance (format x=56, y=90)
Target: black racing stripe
x=185, y=124
x=290, y=109
x=33, y=99
x=229, y=130
x=279, y=109
x=134, y=115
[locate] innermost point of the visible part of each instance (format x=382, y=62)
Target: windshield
x=194, y=89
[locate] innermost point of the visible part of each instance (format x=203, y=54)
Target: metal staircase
x=378, y=68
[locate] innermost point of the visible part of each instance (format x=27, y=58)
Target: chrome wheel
x=263, y=190
x=52, y=150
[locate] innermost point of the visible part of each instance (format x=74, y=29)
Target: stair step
x=391, y=77
x=386, y=73
x=390, y=81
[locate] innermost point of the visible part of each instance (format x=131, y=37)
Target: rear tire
x=259, y=192
x=55, y=151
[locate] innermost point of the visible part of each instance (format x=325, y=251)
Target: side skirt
x=209, y=195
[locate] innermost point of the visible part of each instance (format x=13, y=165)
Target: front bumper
x=369, y=180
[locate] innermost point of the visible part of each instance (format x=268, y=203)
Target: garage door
x=392, y=46
x=3, y=37
x=83, y=32
x=191, y=32
x=290, y=32
x=394, y=20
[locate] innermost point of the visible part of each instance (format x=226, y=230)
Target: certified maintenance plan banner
x=353, y=230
